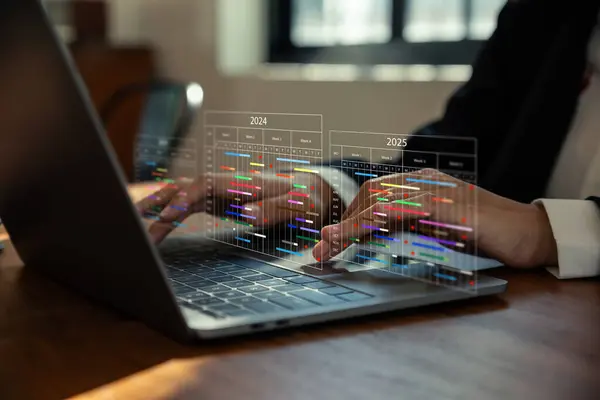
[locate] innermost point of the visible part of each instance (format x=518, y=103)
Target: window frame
x=281, y=49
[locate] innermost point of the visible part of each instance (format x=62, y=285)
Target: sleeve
x=576, y=228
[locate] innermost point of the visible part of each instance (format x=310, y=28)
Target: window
x=345, y=22
x=381, y=31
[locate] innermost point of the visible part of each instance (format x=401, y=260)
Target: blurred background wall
x=194, y=38
x=373, y=65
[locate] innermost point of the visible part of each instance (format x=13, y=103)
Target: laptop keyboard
x=226, y=289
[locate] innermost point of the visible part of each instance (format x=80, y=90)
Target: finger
x=364, y=192
x=154, y=203
x=243, y=185
x=159, y=230
x=390, y=218
x=394, y=196
x=178, y=206
x=379, y=188
x=274, y=210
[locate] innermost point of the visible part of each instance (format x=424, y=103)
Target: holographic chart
x=164, y=161
x=253, y=157
x=422, y=224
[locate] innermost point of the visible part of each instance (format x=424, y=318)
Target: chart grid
x=246, y=161
x=400, y=233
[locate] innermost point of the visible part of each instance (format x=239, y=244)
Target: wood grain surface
x=540, y=340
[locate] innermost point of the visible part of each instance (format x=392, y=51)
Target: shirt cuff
x=576, y=228
x=347, y=187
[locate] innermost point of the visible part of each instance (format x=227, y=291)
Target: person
x=530, y=104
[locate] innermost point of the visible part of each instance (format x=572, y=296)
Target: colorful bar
x=404, y=266
x=406, y=211
x=442, y=241
x=297, y=186
x=400, y=186
x=243, y=178
x=386, y=238
x=243, y=223
x=239, y=215
x=257, y=164
x=447, y=184
x=295, y=253
x=407, y=203
x=309, y=230
x=260, y=235
x=375, y=228
x=354, y=240
x=379, y=245
x=242, y=239
x=239, y=192
x=444, y=276
x=285, y=176
x=443, y=200
x=228, y=153
x=370, y=258
x=380, y=214
x=314, y=214
x=308, y=221
x=307, y=238
x=151, y=163
x=449, y=226
x=179, y=208
x=226, y=168
x=365, y=174
x=440, y=258
x=245, y=185
x=382, y=199
x=293, y=161
x=296, y=202
x=428, y=246
x=379, y=191
x=253, y=171
x=292, y=226
x=236, y=206
x=310, y=171
x=298, y=194
x=290, y=243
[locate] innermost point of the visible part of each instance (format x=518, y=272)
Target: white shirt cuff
x=348, y=186
x=576, y=229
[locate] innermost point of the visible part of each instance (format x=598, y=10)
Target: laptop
x=65, y=204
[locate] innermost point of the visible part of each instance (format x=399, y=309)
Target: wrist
x=544, y=246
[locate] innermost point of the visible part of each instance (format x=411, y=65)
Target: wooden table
x=541, y=340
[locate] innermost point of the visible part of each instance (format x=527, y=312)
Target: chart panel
x=165, y=161
x=264, y=180
x=420, y=203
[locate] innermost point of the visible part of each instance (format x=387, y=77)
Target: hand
x=429, y=201
x=175, y=202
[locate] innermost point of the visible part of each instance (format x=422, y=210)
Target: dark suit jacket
x=523, y=93
x=522, y=96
